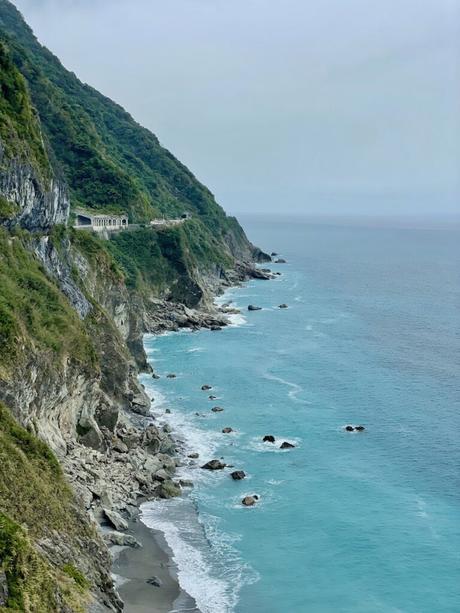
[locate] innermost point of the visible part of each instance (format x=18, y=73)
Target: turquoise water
x=346, y=522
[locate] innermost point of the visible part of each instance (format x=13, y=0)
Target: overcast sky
x=315, y=106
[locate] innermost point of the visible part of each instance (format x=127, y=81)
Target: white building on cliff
x=98, y=222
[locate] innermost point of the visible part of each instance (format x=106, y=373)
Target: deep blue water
x=346, y=522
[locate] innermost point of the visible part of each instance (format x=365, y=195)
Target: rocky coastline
x=140, y=457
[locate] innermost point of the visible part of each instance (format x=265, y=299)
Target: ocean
x=352, y=522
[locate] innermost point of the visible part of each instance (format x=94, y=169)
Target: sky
x=283, y=106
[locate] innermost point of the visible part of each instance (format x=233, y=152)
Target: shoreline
x=134, y=567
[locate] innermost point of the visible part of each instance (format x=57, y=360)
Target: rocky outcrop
x=40, y=206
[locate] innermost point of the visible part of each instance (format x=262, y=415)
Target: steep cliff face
x=73, y=310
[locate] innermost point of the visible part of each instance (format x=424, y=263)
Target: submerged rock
x=252, y=307
x=214, y=465
x=249, y=501
x=269, y=438
x=171, y=376
x=287, y=445
x=238, y=475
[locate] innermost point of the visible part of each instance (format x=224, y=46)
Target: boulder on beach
x=217, y=409
x=155, y=581
x=227, y=430
x=283, y=306
x=206, y=388
x=121, y=539
x=249, y=501
x=117, y=521
x=349, y=428
x=171, y=376
x=252, y=307
x=287, y=445
x=269, y=438
x=238, y=475
x=214, y=465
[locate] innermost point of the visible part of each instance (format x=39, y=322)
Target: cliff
x=79, y=447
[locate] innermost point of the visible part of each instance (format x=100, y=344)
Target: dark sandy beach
x=134, y=567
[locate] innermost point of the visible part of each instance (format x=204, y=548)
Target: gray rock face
x=3, y=589
x=40, y=206
x=61, y=270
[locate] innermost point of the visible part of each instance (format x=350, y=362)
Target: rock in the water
x=205, y=388
x=360, y=428
x=249, y=501
x=283, y=306
x=155, y=376
x=273, y=254
x=194, y=455
x=116, y=520
x=280, y=261
x=227, y=430
x=287, y=445
x=212, y=397
x=269, y=438
x=349, y=428
x=120, y=539
x=217, y=409
x=171, y=376
x=215, y=328
x=155, y=581
x=214, y=465
x=238, y=475
x=186, y=483
x=252, y=307
x=168, y=411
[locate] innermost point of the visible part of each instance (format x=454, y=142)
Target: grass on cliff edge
x=33, y=311
x=35, y=502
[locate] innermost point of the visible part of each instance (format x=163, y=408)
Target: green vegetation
x=33, y=493
x=110, y=162
x=34, y=311
x=19, y=124
x=7, y=209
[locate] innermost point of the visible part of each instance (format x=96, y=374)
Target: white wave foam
x=295, y=390
x=195, y=350
x=208, y=567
